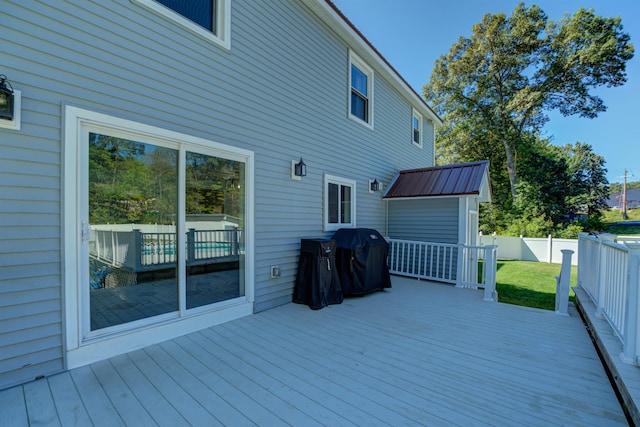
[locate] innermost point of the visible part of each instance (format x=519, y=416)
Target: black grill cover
x=317, y=281
x=362, y=260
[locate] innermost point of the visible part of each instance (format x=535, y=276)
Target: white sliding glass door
x=162, y=222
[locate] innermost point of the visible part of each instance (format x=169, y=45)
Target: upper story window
x=416, y=125
x=210, y=19
x=339, y=203
x=360, y=91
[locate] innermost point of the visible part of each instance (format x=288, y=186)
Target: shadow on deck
x=419, y=353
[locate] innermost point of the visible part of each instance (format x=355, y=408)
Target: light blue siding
x=281, y=91
x=427, y=220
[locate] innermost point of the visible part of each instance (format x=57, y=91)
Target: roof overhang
x=462, y=180
x=338, y=22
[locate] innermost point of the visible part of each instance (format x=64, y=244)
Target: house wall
x=428, y=220
x=281, y=91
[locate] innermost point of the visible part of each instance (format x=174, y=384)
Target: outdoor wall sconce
x=374, y=185
x=6, y=98
x=298, y=170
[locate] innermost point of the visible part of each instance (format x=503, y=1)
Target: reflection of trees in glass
x=213, y=185
x=130, y=181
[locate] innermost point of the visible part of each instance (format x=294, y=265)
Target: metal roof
x=464, y=179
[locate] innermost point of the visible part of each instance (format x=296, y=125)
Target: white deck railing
x=608, y=271
x=446, y=262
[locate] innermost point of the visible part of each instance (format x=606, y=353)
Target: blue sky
x=412, y=34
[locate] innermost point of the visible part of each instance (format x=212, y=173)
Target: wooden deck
x=417, y=354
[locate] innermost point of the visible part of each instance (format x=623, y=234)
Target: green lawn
x=532, y=284
x=614, y=216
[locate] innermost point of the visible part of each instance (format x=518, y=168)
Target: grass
x=531, y=284
x=613, y=216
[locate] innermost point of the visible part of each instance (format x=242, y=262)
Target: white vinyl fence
x=531, y=249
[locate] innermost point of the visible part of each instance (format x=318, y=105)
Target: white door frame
x=80, y=349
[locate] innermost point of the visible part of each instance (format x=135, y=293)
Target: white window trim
x=340, y=181
x=415, y=114
x=355, y=60
x=223, y=36
x=79, y=350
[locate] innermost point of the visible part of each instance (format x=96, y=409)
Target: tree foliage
x=494, y=87
x=134, y=182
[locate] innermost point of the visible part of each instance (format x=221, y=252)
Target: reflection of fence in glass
x=138, y=251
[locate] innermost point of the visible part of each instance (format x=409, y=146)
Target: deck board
x=149, y=396
x=416, y=354
x=39, y=402
x=173, y=389
x=94, y=398
x=67, y=400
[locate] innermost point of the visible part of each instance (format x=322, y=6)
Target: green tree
x=589, y=187
x=494, y=87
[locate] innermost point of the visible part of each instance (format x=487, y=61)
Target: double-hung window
x=416, y=128
x=209, y=19
x=360, y=91
x=339, y=203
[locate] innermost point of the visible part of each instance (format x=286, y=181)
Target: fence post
x=630, y=338
x=562, y=284
x=490, y=265
x=550, y=249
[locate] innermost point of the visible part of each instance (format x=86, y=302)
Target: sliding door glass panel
x=215, y=222
x=133, y=250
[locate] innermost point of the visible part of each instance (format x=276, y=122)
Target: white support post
x=550, y=249
x=490, y=254
x=630, y=339
x=562, y=284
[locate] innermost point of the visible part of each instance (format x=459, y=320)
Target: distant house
x=163, y=165
x=633, y=199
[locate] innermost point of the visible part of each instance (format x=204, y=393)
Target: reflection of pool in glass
x=170, y=248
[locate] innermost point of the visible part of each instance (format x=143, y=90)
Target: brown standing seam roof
x=451, y=180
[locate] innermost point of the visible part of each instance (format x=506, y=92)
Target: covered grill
x=361, y=259
x=317, y=282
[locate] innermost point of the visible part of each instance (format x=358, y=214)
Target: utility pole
x=624, y=197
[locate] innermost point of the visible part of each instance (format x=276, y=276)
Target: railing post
x=630, y=337
x=139, y=247
x=191, y=245
x=562, y=284
x=460, y=266
x=490, y=265
x=600, y=284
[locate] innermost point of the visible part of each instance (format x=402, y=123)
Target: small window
x=202, y=12
x=360, y=91
x=416, y=126
x=209, y=19
x=340, y=203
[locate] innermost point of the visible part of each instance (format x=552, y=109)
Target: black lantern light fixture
x=374, y=185
x=300, y=169
x=6, y=98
